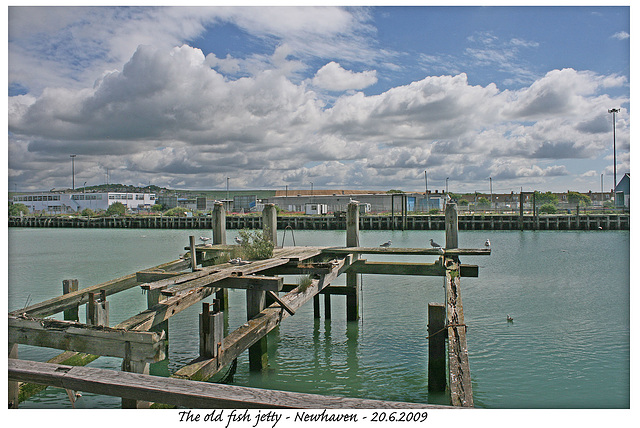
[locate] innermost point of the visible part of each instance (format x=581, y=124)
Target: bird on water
x=386, y=244
x=509, y=318
x=238, y=240
x=435, y=244
x=487, y=243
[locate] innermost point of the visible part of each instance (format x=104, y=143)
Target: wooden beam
x=97, y=340
x=408, y=251
x=152, y=276
x=242, y=338
x=459, y=371
x=401, y=268
x=185, y=393
x=80, y=297
x=218, y=273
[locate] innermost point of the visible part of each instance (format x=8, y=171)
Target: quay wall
x=367, y=222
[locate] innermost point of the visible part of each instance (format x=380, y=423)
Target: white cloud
x=621, y=35
x=333, y=77
x=168, y=117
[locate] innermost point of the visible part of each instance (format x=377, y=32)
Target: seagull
x=487, y=243
x=435, y=244
x=509, y=319
x=386, y=244
x=204, y=239
x=238, y=240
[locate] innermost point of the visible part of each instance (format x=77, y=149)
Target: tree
x=16, y=209
x=548, y=209
x=87, y=212
x=157, y=208
x=546, y=198
x=483, y=202
x=116, y=208
x=578, y=199
x=394, y=191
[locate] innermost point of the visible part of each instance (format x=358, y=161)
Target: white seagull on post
x=204, y=239
x=435, y=244
x=386, y=244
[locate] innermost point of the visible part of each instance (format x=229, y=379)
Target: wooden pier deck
x=177, y=285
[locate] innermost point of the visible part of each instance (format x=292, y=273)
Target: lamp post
x=615, y=177
x=491, y=192
x=447, y=185
x=73, y=172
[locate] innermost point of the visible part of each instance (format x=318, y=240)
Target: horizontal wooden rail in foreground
x=185, y=393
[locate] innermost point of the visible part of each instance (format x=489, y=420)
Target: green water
x=568, y=293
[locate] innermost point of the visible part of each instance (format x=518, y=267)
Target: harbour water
x=568, y=292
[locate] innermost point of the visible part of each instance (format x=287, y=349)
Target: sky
x=327, y=97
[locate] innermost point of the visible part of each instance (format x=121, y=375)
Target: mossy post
x=219, y=224
x=270, y=223
x=353, y=240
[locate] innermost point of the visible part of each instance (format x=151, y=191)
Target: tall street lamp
x=615, y=177
x=73, y=172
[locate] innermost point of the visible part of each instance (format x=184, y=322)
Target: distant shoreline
x=330, y=222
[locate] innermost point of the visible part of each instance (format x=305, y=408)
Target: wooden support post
x=14, y=389
x=437, y=359
x=98, y=310
x=220, y=238
x=192, y=252
x=219, y=224
x=521, y=218
x=154, y=297
x=353, y=240
x=69, y=286
x=451, y=225
x=211, y=329
x=327, y=306
x=270, y=223
x=258, y=351
x=140, y=367
x=316, y=306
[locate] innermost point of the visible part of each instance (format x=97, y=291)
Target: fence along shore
x=331, y=222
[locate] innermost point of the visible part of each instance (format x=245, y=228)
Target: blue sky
x=344, y=97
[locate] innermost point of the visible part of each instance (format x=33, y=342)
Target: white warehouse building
x=62, y=203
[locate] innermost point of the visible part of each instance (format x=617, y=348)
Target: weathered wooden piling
x=98, y=310
x=220, y=238
x=451, y=225
x=192, y=253
x=437, y=373
x=211, y=329
x=270, y=222
x=70, y=286
x=256, y=302
x=219, y=224
x=353, y=240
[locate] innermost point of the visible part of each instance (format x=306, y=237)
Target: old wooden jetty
x=330, y=222
x=202, y=272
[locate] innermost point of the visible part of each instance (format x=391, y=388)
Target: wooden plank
x=185, y=393
x=165, y=309
x=152, y=276
x=401, y=268
x=80, y=297
x=97, y=340
x=223, y=273
x=408, y=251
x=249, y=333
x=459, y=371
